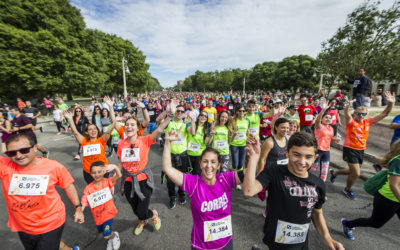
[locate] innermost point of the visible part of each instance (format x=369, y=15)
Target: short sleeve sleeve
x=230, y=178
x=265, y=177
x=394, y=167
x=3, y=163
x=64, y=177
x=189, y=183
x=321, y=197
x=148, y=140
x=84, y=200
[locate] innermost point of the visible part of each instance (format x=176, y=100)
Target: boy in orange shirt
x=98, y=195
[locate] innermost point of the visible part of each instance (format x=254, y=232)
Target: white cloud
x=183, y=36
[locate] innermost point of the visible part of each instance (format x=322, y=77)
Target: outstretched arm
x=77, y=135
x=251, y=186
x=173, y=174
x=390, y=98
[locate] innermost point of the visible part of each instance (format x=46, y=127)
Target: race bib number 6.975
x=23, y=184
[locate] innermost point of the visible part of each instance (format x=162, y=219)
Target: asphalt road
x=176, y=224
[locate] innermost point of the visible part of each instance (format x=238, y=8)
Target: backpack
x=368, y=86
x=374, y=183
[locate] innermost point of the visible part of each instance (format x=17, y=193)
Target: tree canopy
x=45, y=48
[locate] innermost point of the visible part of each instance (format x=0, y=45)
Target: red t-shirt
x=266, y=131
x=35, y=214
x=306, y=114
x=104, y=212
x=220, y=108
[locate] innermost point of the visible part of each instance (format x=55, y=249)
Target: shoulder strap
x=393, y=159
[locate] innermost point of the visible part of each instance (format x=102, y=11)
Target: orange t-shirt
x=35, y=214
x=143, y=143
x=88, y=160
x=21, y=105
x=121, y=131
x=104, y=212
x=356, y=134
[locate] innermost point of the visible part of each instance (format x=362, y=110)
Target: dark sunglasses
x=13, y=153
x=132, y=151
x=241, y=110
x=78, y=110
x=180, y=111
x=361, y=114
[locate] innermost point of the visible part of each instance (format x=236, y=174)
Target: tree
x=262, y=76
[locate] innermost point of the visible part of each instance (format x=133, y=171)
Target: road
x=176, y=224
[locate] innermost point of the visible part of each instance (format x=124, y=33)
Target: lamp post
x=125, y=69
x=321, y=79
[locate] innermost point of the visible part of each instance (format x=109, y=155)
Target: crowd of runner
x=265, y=144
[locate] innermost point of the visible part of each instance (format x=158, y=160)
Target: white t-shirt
x=57, y=115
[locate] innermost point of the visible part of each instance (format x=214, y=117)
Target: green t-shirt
x=241, y=137
x=254, y=123
x=394, y=169
x=62, y=106
x=221, y=140
x=179, y=146
x=196, y=143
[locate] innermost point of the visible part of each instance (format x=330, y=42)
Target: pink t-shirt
x=324, y=137
x=209, y=203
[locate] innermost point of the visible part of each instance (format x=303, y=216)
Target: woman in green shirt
x=197, y=140
x=386, y=200
x=219, y=136
x=238, y=129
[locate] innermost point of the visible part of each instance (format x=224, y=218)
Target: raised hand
x=140, y=104
x=390, y=97
x=173, y=135
x=67, y=114
x=108, y=101
x=109, y=168
x=253, y=146
x=282, y=110
x=212, y=130
x=172, y=105
x=323, y=104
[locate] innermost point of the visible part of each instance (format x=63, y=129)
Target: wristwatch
x=79, y=205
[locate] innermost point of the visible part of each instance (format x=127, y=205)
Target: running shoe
x=172, y=203
x=140, y=226
x=349, y=194
x=156, y=220
x=41, y=129
x=265, y=213
x=109, y=244
x=238, y=187
x=46, y=154
x=75, y=248
x=59, y=133
x=116, y=242
x=182, y=200
x=333, y=177
x=77, y=157
x=348, y=232
x=65, y=130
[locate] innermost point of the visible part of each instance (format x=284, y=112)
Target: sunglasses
x=241, y=110
x=13, y=153
x=180, y=111
x=132, y=151
x=361, y=114
x=78, y=111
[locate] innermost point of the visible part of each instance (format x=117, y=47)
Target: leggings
x=139, y=207
x=59, y=126
x=195, y=163
x=224, y=163
x=383, y=210
x=323, y=162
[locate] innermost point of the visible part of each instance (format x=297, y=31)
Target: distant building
x=180, y=82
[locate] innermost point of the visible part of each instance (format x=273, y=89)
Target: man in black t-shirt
x=295, y=197
x=32, y=113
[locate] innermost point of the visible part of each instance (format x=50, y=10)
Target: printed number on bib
x=230, y=106
x=210, y=116
x=254, y=131
x=290, y=233
x=220, y=144
x=333, y=117
x=151, y=112
x=99, y=198
x=217, y=229
x=194, y=147
x=129, y=155
x=309, y=117
x=282, y=162
x=89, y=150
x=179, y=141
x=23, y=184
x=240, y=136
x=29, y=115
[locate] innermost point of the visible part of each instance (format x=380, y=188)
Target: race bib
x=356, y=82
x=253, y=131
x=29, y=115
x=333, y=117
x=309, y=117
x=130, y=155
x=217, y=229
x=89, y=150
x=194, y=147
x=282, y=162
x=116, y=140
x=179, y=141
x=23, y=184
x=99, y=198
x=230, y=106
x=210, y=116
x=151, y=112
x=220, y=144
x=290, y=233
x=240, y=136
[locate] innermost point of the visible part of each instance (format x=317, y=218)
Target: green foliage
x=46, y=49
x=370, y=39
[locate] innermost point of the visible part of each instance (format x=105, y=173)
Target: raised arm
x=265, y=149
x=251, y=186
x=390, y=98
x=107, y=134
x=146, y=117
x=112, y=167
x=68, y=116
x=319, y=117
x=173, y=174
x=346, y=110
x=110, y=105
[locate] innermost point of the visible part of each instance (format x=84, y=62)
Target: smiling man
x=35, y=208
x=295, y=197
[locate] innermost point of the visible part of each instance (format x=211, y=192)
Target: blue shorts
x=151, y=126
x=105, y=228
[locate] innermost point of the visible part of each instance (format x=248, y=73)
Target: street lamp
x=125, y=69
x=321, y=78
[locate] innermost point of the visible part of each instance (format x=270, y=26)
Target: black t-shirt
x=29, y=112
x=291, y=200
x=152, y=114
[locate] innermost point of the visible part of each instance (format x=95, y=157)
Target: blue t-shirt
x=396, y=134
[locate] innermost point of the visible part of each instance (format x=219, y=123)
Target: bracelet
x=171, y=115
x=79, y=205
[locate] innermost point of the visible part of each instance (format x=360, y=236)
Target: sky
x=179, y=37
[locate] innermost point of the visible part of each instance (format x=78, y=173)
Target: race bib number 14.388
x=23, y=184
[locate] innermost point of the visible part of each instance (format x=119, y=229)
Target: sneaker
x=46, y=154
x=65, y=130
x=265, y=213
x=77, y=157
x=333, y=177
x=348, y=232
x=182, y=200
x=156, y=220
x=172, y=203
x=75, y=248
x=140, y=226
x=116, y=242
x=238, y=187
x=349, y=194
x=109, y=245
x=41, y=129
x=59, y=133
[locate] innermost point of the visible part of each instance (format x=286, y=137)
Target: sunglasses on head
x=180, y=111
x=361, y=114
x=13, y=153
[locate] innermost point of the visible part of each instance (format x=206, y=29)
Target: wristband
x=79, y=205
x=171, y=115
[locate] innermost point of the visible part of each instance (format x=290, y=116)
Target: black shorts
x=353, y=156
x=47, y=241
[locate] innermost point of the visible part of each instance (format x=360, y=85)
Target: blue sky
x=179, y=37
